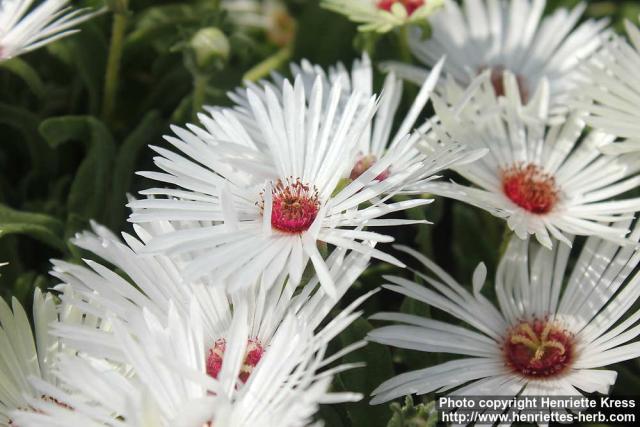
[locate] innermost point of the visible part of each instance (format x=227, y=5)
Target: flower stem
x=271, y=63
x=112, y=74
x=506, y=238
x=200, y=81
x=403, y=44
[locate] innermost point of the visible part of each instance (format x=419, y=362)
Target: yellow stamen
x=530, y=344
x=537, y=344
x=526, y=328
x=545, y=332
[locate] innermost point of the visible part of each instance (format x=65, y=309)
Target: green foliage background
x=63, y=162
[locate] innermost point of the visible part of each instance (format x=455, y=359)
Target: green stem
x=200, y=82
x=271, y=63
x=506, y=238
x=112, y=74
x=403, y=44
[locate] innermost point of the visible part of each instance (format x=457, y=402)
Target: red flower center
x=497, y=80
x=363, y=163
x=253, y=354
x=538, y=349
x=294, y=206
x=529, y=187
x=410, y=5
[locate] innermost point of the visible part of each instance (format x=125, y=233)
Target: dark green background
x=62, y=165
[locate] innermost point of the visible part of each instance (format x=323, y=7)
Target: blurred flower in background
x=383, y=15
x=23, y=30
x=612, y=93
x=269, y=16
x=507, y=36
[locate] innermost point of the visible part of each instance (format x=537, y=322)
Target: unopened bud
x=210, y=47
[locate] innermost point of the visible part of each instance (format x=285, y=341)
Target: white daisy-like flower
x=547, y=180
x=613, y=91
x=23, y=355
x=270, y=16
x=383, y=15
x=23, y=30
x=264, y=182
x=157, y=288
x=546, y=338
x=169, y=384
x=156, y=284
x=380, y=138
x=508, y=36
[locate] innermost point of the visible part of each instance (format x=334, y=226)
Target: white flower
x=263, y=181
x=508, y=36
x=544, y=340
x=380, y=138
x=270, y=16
x=161, y=292
x=613, y=91
x=159, y=285
x=544, y=180
x=22, y=32
x=383, y=15
x=168, y=384
x=208, y=335
x=23, y=356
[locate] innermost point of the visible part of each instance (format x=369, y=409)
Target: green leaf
x=337, y=33
x=413, y=416
x=88, y=54
x=424, y=234
x=24, y=71
x=477, y=236
x=149, y=129
x=24, y=286
x=27, y=123
x=42, y=227
x=628, y=382
x=171, y=87
x=89, y=191
x=38, y=232
x=379, y=367
x=330, y=416
x=157, y=26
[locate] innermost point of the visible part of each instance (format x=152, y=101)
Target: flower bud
x=210, y=47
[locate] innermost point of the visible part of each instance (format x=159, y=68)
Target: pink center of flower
x=294, y=207
x=538, y=349
x=410, y=5
x=363, y=163
x=497, y=80
x=531, y=188
x=253, y=354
